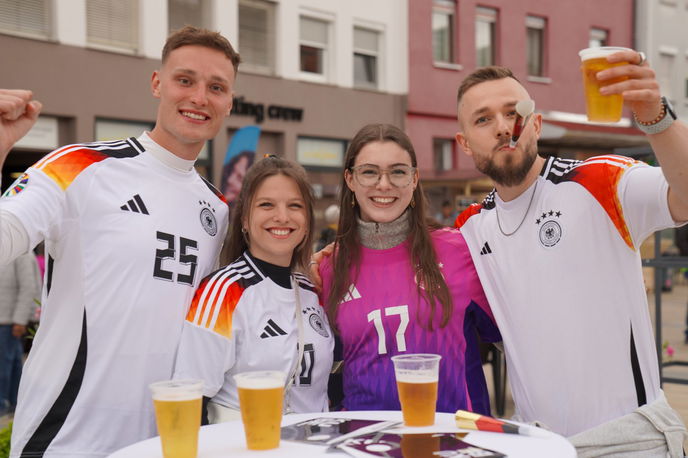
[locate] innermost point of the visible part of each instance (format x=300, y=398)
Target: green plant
x=5, y=435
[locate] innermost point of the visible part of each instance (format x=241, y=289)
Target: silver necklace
x=499, y=224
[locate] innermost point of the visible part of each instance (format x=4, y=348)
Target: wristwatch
x=662, y=122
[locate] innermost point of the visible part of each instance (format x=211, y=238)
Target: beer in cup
x=600, y=108
x=420, y=445
x=178, y=416
x=417, y=376
x=260, y=400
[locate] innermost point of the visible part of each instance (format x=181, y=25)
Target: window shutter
x=254, y=35
x=112, y=23
x=26, y=17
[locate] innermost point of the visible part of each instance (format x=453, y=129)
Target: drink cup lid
x=602, y=51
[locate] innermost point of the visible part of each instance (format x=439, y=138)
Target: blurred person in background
x=20, y=289
x=447, y=214
x=329, y=232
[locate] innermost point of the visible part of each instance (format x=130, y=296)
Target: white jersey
x=240, y=320
x=567, y=289
x=128, y=237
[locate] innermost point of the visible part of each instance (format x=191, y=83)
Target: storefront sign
x=320, y=152
x=243, y=107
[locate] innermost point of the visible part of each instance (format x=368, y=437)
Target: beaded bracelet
x=659, y=117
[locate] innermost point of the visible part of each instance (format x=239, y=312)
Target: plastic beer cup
x=600, y=108
x=417, y=376
x=178, y=416
x=260, y=400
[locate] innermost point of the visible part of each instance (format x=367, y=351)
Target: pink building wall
x=432, y=90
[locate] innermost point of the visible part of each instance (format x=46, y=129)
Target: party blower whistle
x=524, y=110
x=470, y=420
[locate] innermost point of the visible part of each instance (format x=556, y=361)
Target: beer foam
x=596, y=53
x=260, y=381
x=411, y=377
x=172, y=396
x=177, y=390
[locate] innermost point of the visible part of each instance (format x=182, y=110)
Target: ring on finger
x=643, y=58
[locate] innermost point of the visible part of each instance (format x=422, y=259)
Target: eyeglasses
x=370, y=175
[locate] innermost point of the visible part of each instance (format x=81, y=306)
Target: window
x=443, y=31
x=30, y=18
x=313, y=45
x=665, y=69
x=187, y=12
x=320, y=152
x=112, y=24
x=598, y=38
x=443, y=154
x=535, y=43
x=256, y=35
x=485, y=22
x=366, y=44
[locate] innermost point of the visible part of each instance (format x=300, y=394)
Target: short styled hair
x=482, y=75
x=189, y=35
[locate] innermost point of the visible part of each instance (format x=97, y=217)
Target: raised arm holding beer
x=641, y=92
x=563, y=276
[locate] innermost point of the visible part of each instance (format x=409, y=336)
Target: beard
x=514, y=170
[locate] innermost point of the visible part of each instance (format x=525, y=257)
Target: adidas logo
x=136, y=205
x=272, y=330
x=351, y=294
x=486, y=249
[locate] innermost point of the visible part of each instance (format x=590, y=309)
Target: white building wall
x=153, y=22
x=662, y=34
x=389, y=17
x=69, y=18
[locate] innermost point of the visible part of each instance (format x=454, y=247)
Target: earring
x=353, y=200
x=243, y=230
x=413, y=202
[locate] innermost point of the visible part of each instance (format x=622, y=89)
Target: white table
x=227, y=439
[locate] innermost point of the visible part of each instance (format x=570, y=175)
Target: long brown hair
x=421, y=251
x=270, y=166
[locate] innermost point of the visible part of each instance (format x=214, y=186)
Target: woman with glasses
x=397, y=283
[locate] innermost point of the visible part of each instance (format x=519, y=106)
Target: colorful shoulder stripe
x=218, y=295
x=600, y=177
x=65, y=164
x=214, y=189
x=473, y=209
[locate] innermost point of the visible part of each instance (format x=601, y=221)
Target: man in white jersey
x=556, y=249
x=130, y=229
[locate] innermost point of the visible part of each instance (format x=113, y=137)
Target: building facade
x=539, y=41
x=313, y=73
x=661, y=33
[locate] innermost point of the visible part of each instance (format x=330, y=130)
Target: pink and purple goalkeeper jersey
x=381, y=316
